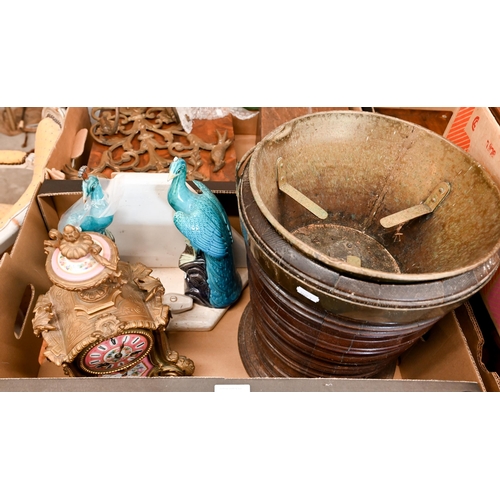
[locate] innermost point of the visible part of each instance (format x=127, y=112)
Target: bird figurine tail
x=223, y=280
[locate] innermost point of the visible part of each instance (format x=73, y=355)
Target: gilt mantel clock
x=103, y=316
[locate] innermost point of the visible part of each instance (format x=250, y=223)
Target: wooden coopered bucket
x=339, y=294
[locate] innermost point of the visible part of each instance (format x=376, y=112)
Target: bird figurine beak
x=170, y=175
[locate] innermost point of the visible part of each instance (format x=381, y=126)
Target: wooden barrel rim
x=323, y=279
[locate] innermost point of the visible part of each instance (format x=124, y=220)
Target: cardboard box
x=435, y=119
x=477, y=131
x=441, y=361
x=483, y=340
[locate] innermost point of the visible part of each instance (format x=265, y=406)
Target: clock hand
x=118, y=355
x=104, y=365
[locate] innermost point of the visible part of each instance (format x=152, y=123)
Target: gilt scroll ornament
x=147, y=139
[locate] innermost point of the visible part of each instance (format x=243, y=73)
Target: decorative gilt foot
x=174, y=366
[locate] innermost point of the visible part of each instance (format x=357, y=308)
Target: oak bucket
x=362, y=231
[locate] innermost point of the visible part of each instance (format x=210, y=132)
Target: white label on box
x=232, y=388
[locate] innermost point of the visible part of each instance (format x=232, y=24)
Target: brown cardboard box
x=442, y=361
x=271, y=118
x=433, y=119
x=483, y=341
x=477, y=131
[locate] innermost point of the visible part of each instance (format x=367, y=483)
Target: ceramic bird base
x=103, y=316
x=144, y=232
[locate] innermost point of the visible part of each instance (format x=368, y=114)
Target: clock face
x=116, y=353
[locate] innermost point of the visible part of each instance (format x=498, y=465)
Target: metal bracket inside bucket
x=437, y=195
x=296, y=194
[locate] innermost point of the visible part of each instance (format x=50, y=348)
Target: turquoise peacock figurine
x=93, y=214
x=211, y=276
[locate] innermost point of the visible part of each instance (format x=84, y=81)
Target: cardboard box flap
x=75, y=120
x=52, y=206
x=442, y=353
x=22, y=280
x=476, y=341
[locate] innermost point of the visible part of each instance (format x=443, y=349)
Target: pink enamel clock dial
x=116, y=353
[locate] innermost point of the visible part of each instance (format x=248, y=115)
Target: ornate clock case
x=103, y=316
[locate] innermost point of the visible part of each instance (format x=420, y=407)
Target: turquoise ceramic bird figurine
x=93, y=214
x=203, y=221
